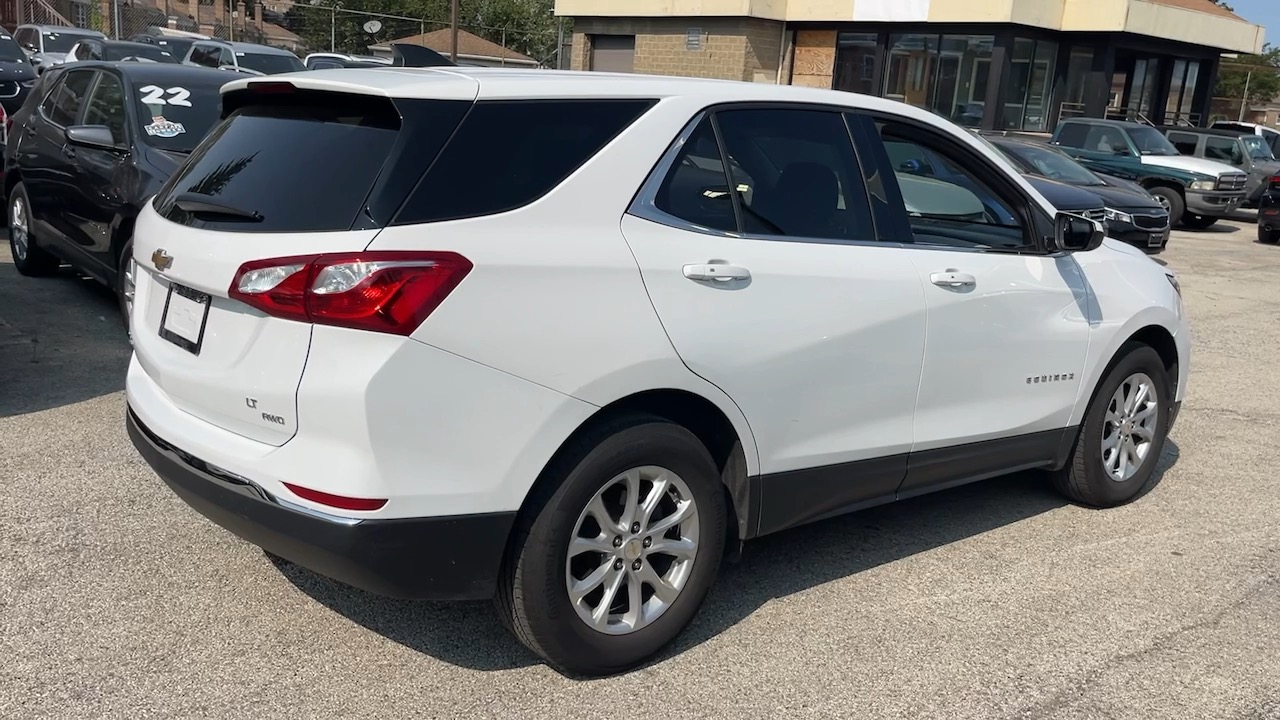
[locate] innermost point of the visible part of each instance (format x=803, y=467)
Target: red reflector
x=276, y=88
x=391, y=292
x=336, y=501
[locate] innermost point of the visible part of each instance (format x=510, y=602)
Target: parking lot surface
x=995, y=600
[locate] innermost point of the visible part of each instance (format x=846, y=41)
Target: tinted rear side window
x=507, y=154
x=301, y=166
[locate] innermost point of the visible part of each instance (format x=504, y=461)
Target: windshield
x=1053, y=164
x=1257, y=148
x=61, y=42
x=142, y=52
x=177, y=117
x=1150, y=141
x=269, y=64
x=9, y=50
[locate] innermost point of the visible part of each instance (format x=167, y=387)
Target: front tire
x=1198, y=222
x=28, y=258
x=126, y=282
x=1123, y=432
x=621, y=553
x=1171, y=200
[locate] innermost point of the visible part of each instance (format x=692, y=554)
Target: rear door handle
x=69, y=151
x=951, y=278
x=31, y=131
x=717, y=272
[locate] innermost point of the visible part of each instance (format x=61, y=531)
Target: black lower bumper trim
x=443, y=558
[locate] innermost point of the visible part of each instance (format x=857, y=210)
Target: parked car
x=177, y=42
x=243, y=57
x=118, y=50
x=1244, y=151
x=1210, y=190
x=575, y=389
x=48, y=45
x=1132, y=214
x=328, y=61
x=1269, y=212
x=17, y=75
x=1270, y=135
x=89, y=148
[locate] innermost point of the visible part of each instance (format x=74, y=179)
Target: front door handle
x=952, y=278
x=717, y=272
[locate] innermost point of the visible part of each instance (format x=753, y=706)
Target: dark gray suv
x=1243, y=150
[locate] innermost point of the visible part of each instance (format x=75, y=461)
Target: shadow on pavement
x=470, y=635
x=61, y=340
x=1218, y=228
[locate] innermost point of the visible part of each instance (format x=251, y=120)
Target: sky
x=1263, y=12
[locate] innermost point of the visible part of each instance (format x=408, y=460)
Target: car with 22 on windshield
x=85, y=153
x=692, y=313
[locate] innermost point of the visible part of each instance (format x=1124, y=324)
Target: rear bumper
x=445, y=558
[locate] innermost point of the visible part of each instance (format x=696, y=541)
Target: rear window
x=140, y=51
x=9, y=50
x=300, y=166
x=506, y=154
x=269, y=64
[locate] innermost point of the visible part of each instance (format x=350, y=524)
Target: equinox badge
x=161, y=259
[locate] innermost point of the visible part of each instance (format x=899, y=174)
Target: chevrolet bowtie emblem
x=161, y=259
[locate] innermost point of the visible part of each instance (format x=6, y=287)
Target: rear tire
x=672, y=568
x=1198, y=222
x=1123, y=432
x=1172, y=201
x=28, y=258
x=1268, y=236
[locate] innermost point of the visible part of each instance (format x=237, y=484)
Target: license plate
x=185, y=313
x=1155, y=240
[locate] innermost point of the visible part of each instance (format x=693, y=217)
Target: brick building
x=994, y=64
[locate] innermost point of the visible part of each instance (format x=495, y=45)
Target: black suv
x=95, y=141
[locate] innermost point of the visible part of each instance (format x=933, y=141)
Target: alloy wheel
x=632, y=550
x=1129, y=429
x=19, y=232
x=128, y=284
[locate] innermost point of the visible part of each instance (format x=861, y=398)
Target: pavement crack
x=1077, y=690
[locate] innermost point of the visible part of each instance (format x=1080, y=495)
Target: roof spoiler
x=405, y=55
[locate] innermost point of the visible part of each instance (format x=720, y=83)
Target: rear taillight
x=391, y=292
x=1274, y=182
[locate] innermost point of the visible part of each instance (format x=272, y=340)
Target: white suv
x=466, y=333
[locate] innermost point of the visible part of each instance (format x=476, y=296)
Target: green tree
x=1260, y=73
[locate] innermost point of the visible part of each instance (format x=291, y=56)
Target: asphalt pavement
x=995, y=600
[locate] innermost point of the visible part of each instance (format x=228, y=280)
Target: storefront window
x=1078, y=68
x=1030, y=86
x=856, y=62
x=910, y=68
x=1182, y=88
x=964, y=66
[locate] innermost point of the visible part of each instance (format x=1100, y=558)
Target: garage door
x=613, y=53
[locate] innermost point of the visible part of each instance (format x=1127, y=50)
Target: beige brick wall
x=732, y=48
x=815, y=58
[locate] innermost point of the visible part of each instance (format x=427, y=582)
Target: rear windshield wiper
x=198, y=204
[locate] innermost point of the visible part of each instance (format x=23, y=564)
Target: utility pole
x=453, y=31
x=1245, y=99
x=560, y=44
x=115, y=23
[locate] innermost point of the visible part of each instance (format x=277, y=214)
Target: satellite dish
x=373, y=26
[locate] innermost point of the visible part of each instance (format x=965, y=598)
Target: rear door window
x=69, y=98
x=306, y=165
x=508, y=154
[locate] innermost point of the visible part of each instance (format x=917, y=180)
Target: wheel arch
x=695, y=413
x=1147, y=330
x=121, y=233
x=11, y=180
x=1155, y=182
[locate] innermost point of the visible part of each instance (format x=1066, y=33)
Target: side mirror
x=1076, y=233
x=92, y=136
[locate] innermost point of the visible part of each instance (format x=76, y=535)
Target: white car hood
x=1212, y=168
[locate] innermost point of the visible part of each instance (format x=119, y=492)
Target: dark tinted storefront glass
x=856, y=62
x=1029, y=90
x=964, y=66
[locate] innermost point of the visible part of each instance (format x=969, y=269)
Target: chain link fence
x=303, y=27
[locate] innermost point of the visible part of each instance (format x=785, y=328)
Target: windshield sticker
x=155, y=95
x=160, y=127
